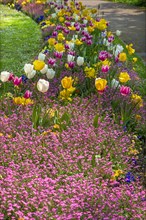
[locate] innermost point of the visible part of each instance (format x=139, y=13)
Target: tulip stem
x=99, y=103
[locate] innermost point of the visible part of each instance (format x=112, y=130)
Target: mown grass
x=20, y=40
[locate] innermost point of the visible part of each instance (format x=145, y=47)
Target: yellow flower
x=56, y=126
x=67, y=82
x=137, y=117
x=71, y=90
x=38, y=64
x=51, y=41
x=90, y=72
x=130, y=49
x=122, y=57
x=117, y=173
x=90, y=29
x=61, y=19
x=60, y=37
x=100, y=84
x=78, y=42
x=106, y=63
x=61, y=13
x=22, y=101
x=65, y=95
x=72, y=28
x=66, y=65
x=1, y=134
x=135, y=59
x=124, y=77
x=59, y=47
x=101, y=25
x=17, y=100
x=137, y=100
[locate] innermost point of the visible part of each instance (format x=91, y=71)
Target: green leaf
x=95, y=121
x=93, y=161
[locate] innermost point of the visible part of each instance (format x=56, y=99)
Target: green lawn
x=20, y=40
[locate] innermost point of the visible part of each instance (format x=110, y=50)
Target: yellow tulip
x=90, y=72
x=124, y=77
x=100, y=84
x=130, y=49
x=137, y=100
x=67, y=82
x=59, y=47
x=122, y=57
x=60, y=37
x=51, y=41
x=65, y=95
x=38, y=64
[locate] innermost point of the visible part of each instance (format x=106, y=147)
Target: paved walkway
x=130, y=20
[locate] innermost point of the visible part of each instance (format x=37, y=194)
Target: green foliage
x=20, y=40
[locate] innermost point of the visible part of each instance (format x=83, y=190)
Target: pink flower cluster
x=59, y=176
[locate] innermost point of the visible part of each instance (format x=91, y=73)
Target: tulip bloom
x=42, y=85
x=44, y=70
x=67, y=82
x=124, y=77
x=17, y=81
x=4, y=76
x=80, y=61
x=27, y=94
x=100, y=84
x=105, y=68
x=38, y=64
x=122, y=57
x=29, y=70
x=50, y=73
x=125, y=90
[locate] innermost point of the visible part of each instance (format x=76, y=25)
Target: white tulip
x=118, y=33
x=50, y=73
x=41, y=56
x=45, y=69
x=80, y=61
x=115, y=84
x=31, y=74
x=70, y=58
x=4, y=76
x=42, y=85
x=28, y=68
x=118, y=49
x=85, y=21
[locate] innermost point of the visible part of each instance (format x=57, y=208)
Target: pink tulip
x=105, y=69
x=27, y=94
x=125, y=90
x=17, y=81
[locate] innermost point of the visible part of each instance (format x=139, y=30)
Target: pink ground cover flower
x=58, y=175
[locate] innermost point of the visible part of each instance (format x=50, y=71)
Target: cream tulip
x=42, y=85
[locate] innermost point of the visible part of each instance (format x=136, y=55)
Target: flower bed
x=73, y=124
